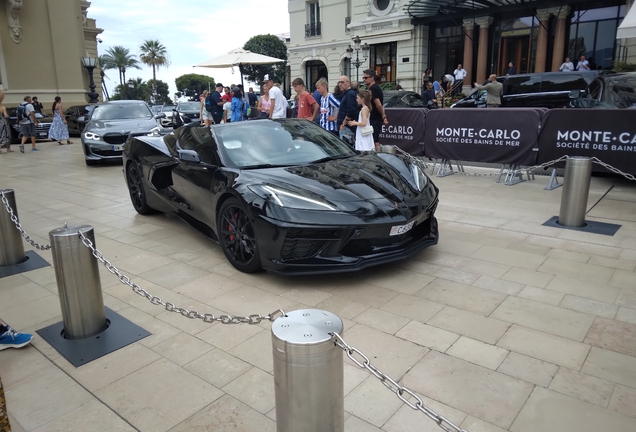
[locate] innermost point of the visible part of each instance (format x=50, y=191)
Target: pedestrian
x=251, y=96
x=278, y=102
x=494, y=91
x=264, y=103
x=227, y=95
x=59, y=129
x=567, y=65
x=430, y=100
x=512, y=70
x=377, y=115
x=329, y=106
x=337, y=93
x=364, y=141
x=307, y=106
x=427, y=77
x=215, y=104
x=237, y=107
x=348, y=110
x=583, y=65
x=28, y=123
x=37, y=106
x=459, y=75
x=5, y=129
x=437, y=87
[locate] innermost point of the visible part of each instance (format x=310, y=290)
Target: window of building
x=517, y=44
x=448, y=50
x=382, y=60
x=315, y=69
x=312, y=28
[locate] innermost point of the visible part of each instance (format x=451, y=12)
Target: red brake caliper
x=229, y=226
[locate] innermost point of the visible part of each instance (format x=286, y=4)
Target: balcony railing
x=312, y=29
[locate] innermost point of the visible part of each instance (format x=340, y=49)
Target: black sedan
x=403, y=99
x=285, y=195
x=76, y=117
x=187, y=112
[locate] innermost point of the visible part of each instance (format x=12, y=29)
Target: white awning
x=627, y=29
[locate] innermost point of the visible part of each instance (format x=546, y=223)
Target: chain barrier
x=611, y=168
x=170, y=307
x=403, y=393
x=14, y=219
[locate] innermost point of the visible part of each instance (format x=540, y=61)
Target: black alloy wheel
x=236, y=236
x=136, y=190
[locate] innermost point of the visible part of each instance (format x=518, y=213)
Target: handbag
x=366, y=130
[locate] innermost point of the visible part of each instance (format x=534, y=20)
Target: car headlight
x=91, y=136
x=419, y=178
x=289, y=199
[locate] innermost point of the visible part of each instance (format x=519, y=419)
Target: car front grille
x=370, y=246
x=303, y=243
x=115, y=138
x=106, y=153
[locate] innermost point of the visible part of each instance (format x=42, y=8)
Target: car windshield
x=189, y=106
x=117, y=111
x=156, y=108
x=167, y=108
x=263, y=143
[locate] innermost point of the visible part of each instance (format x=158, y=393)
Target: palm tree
x=118, y=57
x=104, y=63
x=154, y=54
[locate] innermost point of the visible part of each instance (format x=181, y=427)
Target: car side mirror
x=188, y=156
x=81, y=119
x=160, y=116
x=575, y=94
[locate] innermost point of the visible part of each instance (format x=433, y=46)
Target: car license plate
x=401, y=229
x=117, y=147
x=43, y=134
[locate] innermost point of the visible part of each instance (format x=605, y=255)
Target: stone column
x=542, y=41
x=482, y=49
x=558, y=55
x=469, y=41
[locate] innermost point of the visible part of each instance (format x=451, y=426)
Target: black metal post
x=92, y=95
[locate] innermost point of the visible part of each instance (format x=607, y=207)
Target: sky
x=193, y=32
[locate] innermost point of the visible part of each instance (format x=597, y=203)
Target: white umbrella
x=239, y=57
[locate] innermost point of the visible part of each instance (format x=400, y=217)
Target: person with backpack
x=28, y=123
x=214, y=104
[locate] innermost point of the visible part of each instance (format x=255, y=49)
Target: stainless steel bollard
x=387, y=149
x=576, y=188
x=78, y=282
x=11, y=246
x=308, y=372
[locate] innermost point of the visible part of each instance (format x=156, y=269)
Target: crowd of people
x=352, y=114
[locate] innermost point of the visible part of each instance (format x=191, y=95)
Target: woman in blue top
x=236, y=109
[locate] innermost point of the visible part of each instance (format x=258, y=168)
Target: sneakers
x=13, y=339
x=21, y=148
x=35, y=149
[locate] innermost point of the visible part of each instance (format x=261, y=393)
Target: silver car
x=111, y=123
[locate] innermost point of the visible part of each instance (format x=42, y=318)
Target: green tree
x=162, y=92
x=119, y=58
x=194, y=84
x=140, y=90
x=104, y=64
x=153, y=54
x=268, y=45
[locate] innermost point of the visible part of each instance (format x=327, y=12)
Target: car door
x=521, y=90
x=71, y=120
x=556, y=88
x=192, y=180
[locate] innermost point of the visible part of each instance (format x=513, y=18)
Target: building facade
x=408, y=36
x=42, y=43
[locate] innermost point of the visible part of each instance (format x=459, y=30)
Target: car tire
x=241, y=250
x=136, y=189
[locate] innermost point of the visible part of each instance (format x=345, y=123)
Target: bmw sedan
x=109, y=126
x=285, y=195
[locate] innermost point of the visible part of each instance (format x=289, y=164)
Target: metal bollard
x=308, y=372
x=11, y=246
x=387, y=149
x=78, y=282
x=576, y=188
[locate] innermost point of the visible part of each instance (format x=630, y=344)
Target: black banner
x=608, y=134
x=405, y=129
x=490, y=135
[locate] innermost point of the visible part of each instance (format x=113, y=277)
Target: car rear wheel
x=137, y=190
x=236, y=236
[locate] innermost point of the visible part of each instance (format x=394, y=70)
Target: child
x=363, y=142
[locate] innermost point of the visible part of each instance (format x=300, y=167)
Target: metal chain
x=403, y=393
x=611, y=168
x=14, y=219
x=170, y=307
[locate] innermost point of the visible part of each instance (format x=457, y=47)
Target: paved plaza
x=506, y=325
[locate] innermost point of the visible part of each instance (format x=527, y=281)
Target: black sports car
x=285, y=195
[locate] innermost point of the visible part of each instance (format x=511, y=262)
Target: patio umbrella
x=239, y=57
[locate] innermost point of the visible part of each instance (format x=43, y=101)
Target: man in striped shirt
x=328, y=107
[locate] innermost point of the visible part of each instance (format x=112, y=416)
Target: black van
x=548, y=89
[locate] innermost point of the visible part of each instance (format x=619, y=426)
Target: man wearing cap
x=217, y=103
x=278, y=102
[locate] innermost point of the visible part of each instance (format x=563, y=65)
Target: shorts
x=377, y=128
x=205, y=115
x=27, y=130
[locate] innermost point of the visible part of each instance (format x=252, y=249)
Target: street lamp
x=365, y=54
x=131, y=86
x=90, y=63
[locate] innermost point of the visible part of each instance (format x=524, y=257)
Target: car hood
x=123, y=125
x=381, y=179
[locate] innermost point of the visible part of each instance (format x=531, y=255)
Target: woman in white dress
x=363, y=142
x=59, y=130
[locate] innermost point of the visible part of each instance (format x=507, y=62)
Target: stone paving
x=505, y=325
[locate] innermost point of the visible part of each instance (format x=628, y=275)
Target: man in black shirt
x=37, y=105
x=377, y=116
x=217, y=103
x=429, y=96
x=348, y=110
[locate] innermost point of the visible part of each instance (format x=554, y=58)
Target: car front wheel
x=236, y=236
x=137, y=190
